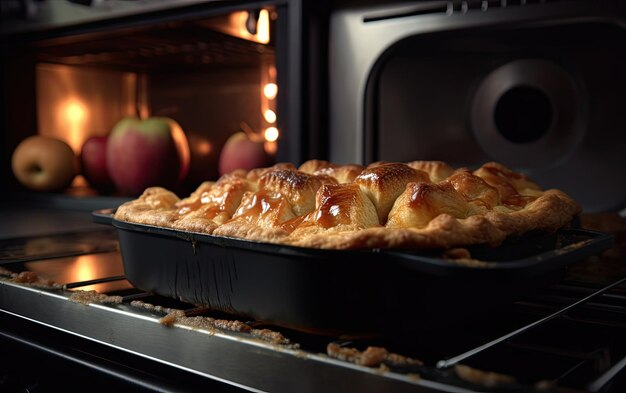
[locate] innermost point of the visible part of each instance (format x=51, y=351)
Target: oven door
x=537, y=86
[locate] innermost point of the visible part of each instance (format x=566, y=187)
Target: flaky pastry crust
x=418, y=205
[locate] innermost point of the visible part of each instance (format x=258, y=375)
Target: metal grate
x=570, y=335
x=173, y=47
x=580, y=345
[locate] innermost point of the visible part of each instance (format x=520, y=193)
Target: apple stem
x=141, y=104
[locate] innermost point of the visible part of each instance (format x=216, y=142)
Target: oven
x=536, y=85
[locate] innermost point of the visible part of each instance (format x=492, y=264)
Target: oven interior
x=215, y=75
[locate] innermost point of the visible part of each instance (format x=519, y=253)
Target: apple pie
x=415, y=205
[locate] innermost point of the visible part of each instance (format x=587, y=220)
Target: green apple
x=145, y=153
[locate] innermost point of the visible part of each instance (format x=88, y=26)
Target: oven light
x=252, y=26
x=270, y=90
x=204, y=147
x=270, y=116
x=75, y=114
x=263, y=27
x=271, y=134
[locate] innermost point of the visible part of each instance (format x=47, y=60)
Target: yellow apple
x=43, y=163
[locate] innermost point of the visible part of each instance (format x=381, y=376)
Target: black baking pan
x=343, y=290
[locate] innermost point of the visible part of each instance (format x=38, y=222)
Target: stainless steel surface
x=459, y=358
x=601, y=383
x=358, y=46
x=61, y=13
x=229, y=357
x=406, y=84
x=77, y=103
x=78, y=256
x=555, y=137
x=21, y=222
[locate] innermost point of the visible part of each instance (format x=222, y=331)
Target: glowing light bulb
x=75, y=112
x=270, y=90
x=270, y=116
x=271, y=134
x=263, y=27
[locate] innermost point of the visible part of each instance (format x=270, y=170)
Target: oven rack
x=245, y=362
x=168, y=48
x=227, y=357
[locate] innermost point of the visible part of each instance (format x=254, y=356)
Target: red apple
x=94, y=164
x=145, y=153
x=241, y=152
x=43, y=163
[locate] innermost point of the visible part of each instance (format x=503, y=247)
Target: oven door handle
x=103, y=216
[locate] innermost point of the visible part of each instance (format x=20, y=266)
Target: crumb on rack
x=488, y=379
x=270, y=336
x=371, y=357
x=151, y=307
x=93, y=297
x=178, y=317
x=5, y=272
x=31, y=279
x=468, y=262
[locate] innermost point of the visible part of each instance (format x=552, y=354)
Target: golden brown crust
x=442, y=232
x=341, y=173
x=313, y=166
x=156, y=206
x=437, y=170
x=211, y=204
x=297, y=187
x=197, y=194
x=384, y=182
x=253, y=232
x=421, y=202
x=255, y=174
x=515, y=189
x=425, y=204
x=339, y=208
x=263, y=209
x=474, y=189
